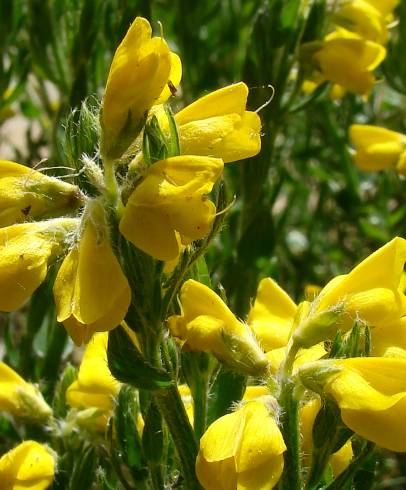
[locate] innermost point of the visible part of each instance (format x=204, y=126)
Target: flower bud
x=140, y=71
x=20, y=398
x=317, y=327
x=26, y=194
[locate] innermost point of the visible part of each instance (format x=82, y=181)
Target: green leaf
x=128, y=365
x=153, y=435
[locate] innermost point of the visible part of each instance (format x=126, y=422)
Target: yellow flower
x=370, y=293
x=26, y=194
x=206, y=324
x=140, y=71
x=277, y=356
x=370, y=392
x=389, y=340
x=171, y=200
x=348, y=60
x=241, y=450
x=217, y=125
x=255, y=391
x=21, y=398
x=272, y=318
x=341, y=459
x=25, y=253
x=378, y=148
x=29, y=466
x=385, y=7
x=272, y=315
x=91, y=292
x=95, y=387
x=362, y=18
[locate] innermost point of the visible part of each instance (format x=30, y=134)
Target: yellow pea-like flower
x=91, y=291
x=341, y=459
x=242, y=450
x=206, y=324
x=271, y=317
x=95, y=387
x=139, y=74
x=26, y=194
x=389, y=340
x=29, y=466
x=20, y=398
x=25, y=252
x=385, y=7
x=171, y=201
x=218, y=125
x=370, y=392
x=370, y=293
x=349, y=60
x=362, y=18
x=378, y=148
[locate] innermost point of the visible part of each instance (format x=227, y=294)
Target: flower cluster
x=368, y=391
x=349, y=54
x=161, y=207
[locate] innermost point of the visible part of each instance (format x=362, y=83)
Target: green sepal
x=59, y=407
x=83, y=469
x=113, y=145
x=126, y=433
x=153, y=435
x=128, y=365
x=156, y=145
x=227, y=389
x=154, y=142
x=329, y=435
x=356, y=343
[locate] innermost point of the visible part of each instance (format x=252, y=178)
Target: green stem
x=291, y=478
x=157, y=479
x=172, y=409
x=349, y=473
x=200, y=405
x=110, y=179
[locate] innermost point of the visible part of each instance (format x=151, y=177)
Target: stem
x=349, y=473
x=291, y=478
x=172, y=409
x=157, y=479
x=200, y=405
